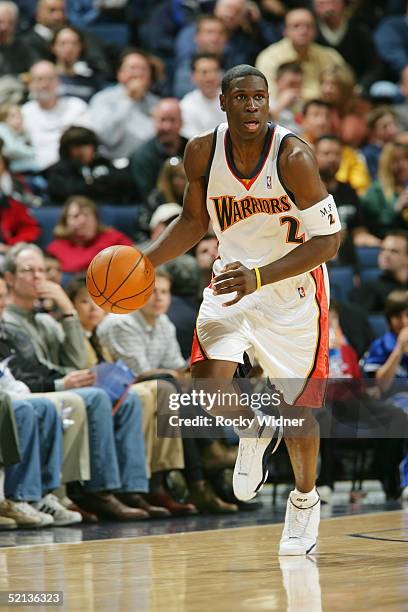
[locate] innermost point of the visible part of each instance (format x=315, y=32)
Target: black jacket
x=101, y=181
x=24, y=363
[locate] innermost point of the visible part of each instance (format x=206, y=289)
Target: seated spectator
x=17, y=146
x=16, y=222
x=146, y=341
x=393, y=262
x=79, y=235
x=115, y=441
x=385, y=204
x=247, y=33
x=46, y=116
x=351, y=38
x=206, y=252
x=16, y=57
x=39, y=425
x=50, y=16
x=383, y=129
x=185, y=299
x=147, y=160
x=349, y=111
x=121, y=115
x=162, y=454
x=170, y=187
x=317, y=122
x=391, y=39
x=298, y=46
x=328, y=156
x=77, y=77
x=82, y=169
x=387, y=361
x=210, y=37
x=343, y=364
x=200, y=109
x=286, y=108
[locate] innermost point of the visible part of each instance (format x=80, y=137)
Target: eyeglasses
x=28, y=271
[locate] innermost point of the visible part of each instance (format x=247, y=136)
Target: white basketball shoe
x=256, y=443
x=301, y=528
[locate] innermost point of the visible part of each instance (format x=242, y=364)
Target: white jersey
x=254, y=218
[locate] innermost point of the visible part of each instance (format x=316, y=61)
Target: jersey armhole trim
x=210, y=159
x=282, y=182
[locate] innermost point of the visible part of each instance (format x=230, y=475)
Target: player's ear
x=222, y=102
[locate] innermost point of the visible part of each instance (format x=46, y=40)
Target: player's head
x=245, y=99
x=396, y=310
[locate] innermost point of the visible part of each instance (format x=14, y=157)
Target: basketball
x=120, y=279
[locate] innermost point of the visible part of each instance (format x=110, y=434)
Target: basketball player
x=276, y=226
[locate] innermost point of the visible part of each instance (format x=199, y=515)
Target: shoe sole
x=309, y=550
x=267, y=453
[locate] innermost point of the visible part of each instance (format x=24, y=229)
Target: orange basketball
x=120, y=279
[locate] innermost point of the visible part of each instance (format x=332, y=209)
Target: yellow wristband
x=258, y=278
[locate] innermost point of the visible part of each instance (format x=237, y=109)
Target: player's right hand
x=78, y=379
x=234, y=277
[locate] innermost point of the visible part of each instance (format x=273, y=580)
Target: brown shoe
x=134, y=500
x=106, y=505
x=207, y=502
x=176, y=509
x=216, y=456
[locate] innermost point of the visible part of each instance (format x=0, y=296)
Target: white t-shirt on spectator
x=45, y=127
x=200, y=114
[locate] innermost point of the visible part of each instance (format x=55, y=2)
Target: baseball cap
x=163, y=213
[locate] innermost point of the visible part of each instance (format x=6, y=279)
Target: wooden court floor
x=362, y=564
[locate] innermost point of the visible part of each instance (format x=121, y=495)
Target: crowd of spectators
x=89, y=123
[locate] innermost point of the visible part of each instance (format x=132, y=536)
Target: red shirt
x=17, y=224
x=76, y=258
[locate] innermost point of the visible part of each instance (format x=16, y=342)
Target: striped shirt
x=141, y=346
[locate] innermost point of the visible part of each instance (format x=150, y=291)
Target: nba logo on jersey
x=269, y=182
x=301, y=292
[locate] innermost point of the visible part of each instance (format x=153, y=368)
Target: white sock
x=304, y=500
x=1, y=484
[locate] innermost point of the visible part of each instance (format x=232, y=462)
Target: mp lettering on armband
x=322, y=218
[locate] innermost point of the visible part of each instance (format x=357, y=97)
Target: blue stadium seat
x=378, y=324
x=367, y=257
x=341, y=282
x=369, y=274
x=123, y=218
x=47, y=218
x=116, y=33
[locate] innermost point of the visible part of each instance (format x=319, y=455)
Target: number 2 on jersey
x=292, y=230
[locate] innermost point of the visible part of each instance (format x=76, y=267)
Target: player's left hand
x=234, y=277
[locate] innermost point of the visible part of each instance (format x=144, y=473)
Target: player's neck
x=247, y=151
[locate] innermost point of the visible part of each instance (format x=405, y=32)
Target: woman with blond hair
x=349, y=111
x=385, y=205
x=80, y=235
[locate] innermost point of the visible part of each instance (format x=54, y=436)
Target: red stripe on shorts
x=315, y=389
x=197, y=351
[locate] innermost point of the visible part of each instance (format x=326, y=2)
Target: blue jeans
x=116, y=444
x=41, y=448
